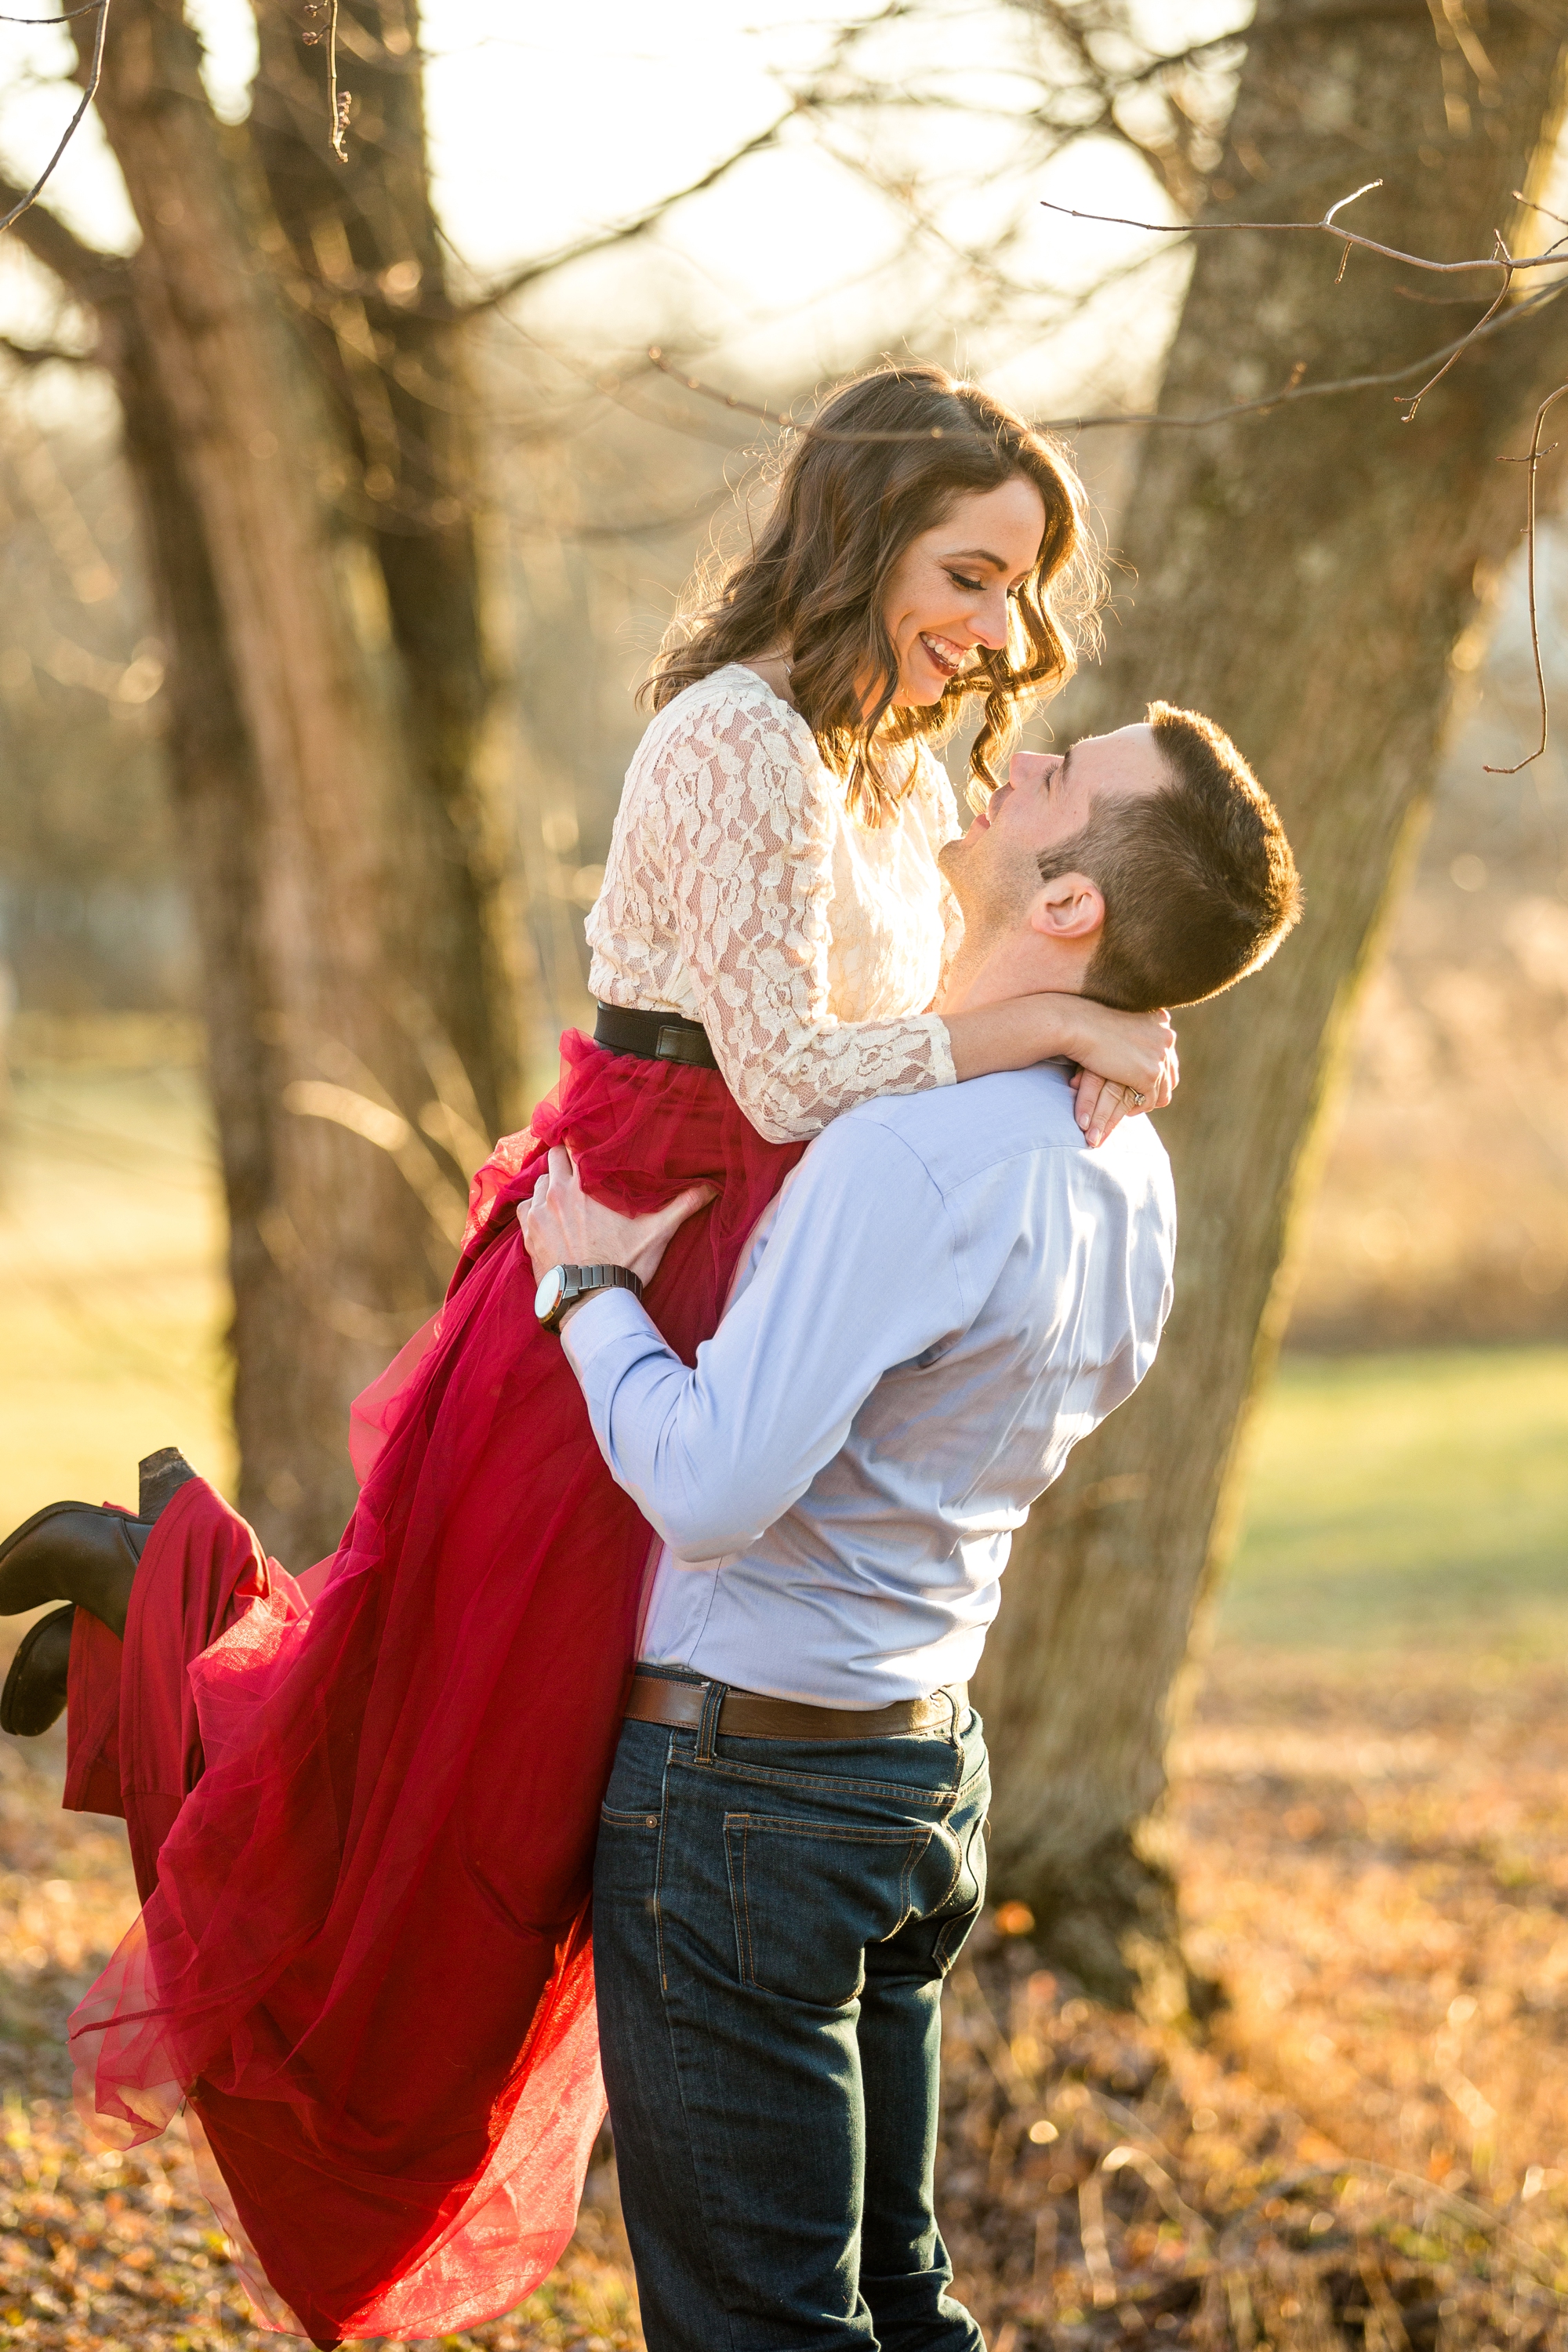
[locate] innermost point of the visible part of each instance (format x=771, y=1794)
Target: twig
x=606, y=241
x=785, y=421
x=666, y=366
x=337, y=107
x=95, y=74
x=1501, y=258
x=1545, y=210
x=1509, y=264
x=1446, y=353
x=1533, y=463
x=338, y=103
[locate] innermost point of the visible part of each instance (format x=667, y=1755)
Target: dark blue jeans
x=773, y=1920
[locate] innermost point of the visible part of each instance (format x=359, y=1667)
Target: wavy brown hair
x=886, y=458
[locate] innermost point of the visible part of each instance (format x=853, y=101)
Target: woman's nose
x=991, y=621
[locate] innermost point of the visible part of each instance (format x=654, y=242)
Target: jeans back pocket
x=809, y=1896
x=965, y=1904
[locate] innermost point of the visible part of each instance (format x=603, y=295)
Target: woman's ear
x=1068, y=906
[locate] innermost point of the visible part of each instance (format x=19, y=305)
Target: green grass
x=112, y=1299
x=1405, y=1500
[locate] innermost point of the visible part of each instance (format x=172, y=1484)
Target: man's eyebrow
x=1067, y=763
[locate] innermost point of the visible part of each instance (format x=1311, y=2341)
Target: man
x=951, y=1291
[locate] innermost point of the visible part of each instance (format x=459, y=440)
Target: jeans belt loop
x=714, y=1697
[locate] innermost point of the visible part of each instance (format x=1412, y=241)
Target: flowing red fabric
x=365, y=1963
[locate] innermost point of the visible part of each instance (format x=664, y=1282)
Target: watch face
x=549, y=1295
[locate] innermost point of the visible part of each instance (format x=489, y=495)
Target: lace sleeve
x=749, y=865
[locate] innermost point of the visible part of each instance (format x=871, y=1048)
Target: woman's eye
x=972, y=587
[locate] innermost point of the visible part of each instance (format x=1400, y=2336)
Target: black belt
x=654, y=1036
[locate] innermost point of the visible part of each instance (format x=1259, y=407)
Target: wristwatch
x=564, y=1285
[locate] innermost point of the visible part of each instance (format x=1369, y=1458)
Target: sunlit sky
x=541, y=126
x=548, y=123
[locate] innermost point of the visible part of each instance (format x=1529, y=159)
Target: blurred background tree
x=310, y=529
x=1333, y=660
x=409, y=527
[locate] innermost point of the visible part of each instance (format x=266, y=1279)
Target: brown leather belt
x=748, y=1715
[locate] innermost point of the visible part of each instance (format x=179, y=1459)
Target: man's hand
x=563, y=1227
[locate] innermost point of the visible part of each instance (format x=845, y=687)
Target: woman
x=365, y=1962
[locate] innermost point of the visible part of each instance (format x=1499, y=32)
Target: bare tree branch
x=785, y=422
x=1533, y=462
x=94, y=75
x=628, y=230
x=90, y=276
x=338, y=102
x=1501, y=258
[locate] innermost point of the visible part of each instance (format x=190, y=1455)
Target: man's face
x=994, y=867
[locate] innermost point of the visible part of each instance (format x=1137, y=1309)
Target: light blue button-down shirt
x=950, y=1292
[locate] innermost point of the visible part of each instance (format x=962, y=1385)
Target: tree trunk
x=329, y=698
x=1304, y=577
x=390, y=349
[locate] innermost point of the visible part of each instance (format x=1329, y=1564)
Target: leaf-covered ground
x=1369, y=2148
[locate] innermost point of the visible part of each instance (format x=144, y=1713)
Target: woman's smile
x=945, y=654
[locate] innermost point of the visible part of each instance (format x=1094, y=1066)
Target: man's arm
x=860, y=1273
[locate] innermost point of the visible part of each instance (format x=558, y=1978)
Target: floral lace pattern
x=741, y=892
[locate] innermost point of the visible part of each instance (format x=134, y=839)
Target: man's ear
x=1068, y=906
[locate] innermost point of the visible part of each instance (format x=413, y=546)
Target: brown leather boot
x=83, y=1553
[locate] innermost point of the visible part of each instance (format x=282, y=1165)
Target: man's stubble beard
x=994, y=894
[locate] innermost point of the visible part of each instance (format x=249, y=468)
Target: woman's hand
x=1120, y=1055
x=1127, y=1064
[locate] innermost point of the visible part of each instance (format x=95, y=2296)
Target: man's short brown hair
x=1198, y=880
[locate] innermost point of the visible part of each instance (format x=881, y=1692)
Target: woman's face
x=948, y=595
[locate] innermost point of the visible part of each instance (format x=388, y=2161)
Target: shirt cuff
x=600, y=1321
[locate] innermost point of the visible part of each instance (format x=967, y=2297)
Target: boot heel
x=161, y=1475
x=34, y=1692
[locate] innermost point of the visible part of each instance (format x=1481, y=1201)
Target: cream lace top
x=741, y=892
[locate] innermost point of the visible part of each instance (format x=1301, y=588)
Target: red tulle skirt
x=363, y=1806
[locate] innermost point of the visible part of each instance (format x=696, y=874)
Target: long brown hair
x=885, y=459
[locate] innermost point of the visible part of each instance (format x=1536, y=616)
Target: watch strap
x=582, y=1281
x=607, y=1277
